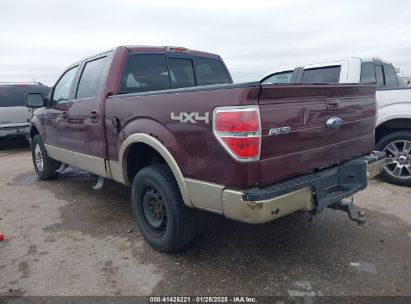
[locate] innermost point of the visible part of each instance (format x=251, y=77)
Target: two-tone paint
x=97, y=134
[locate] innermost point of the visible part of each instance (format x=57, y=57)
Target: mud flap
x=62, y=168
x=99, y=184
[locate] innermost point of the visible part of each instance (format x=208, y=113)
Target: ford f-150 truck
x=393, y=127
x=169, y=122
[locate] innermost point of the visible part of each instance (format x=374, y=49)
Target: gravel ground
x=64, y=238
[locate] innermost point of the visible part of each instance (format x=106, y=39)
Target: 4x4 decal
x=192, y=117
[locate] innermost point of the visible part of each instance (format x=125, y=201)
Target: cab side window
x=386, y=76
x=391, y=80
x=367, y=72
x=91, y=79
x=328, y=74
x=282, y=77
x=380, y=76
x=63, y=87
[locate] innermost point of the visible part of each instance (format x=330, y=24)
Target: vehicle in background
x=170, y=122
x=407, y=80
x=393, y=128
x=14, y=115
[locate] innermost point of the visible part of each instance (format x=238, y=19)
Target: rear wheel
x=397, y=169
x=45, y=166
x=164, y=220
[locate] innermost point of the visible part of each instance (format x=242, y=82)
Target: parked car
x=14, y=115
x=169, y=122
x=393, y=128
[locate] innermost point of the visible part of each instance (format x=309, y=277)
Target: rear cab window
x=145, y=73
x=181, y=73
x=386, y=76
x=210, y=71
x=391, y=80
x=156, y=72
x=368, y=73
x=329, y=74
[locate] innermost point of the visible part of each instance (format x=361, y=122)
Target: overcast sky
x=39, y=39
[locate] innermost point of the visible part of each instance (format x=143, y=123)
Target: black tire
x=164, y=220
x=385, y=144
x=49, y=165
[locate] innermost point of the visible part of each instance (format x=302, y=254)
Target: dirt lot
x=64, y=238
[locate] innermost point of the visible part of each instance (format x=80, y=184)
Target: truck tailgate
x=295, y=137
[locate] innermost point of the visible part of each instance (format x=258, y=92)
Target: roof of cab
x=163, y=49
x=148, y=49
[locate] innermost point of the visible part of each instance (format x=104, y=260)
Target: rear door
x=84, y=115
x=296, y=138
x=85, y=118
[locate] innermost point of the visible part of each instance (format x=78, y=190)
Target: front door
x=56, y=115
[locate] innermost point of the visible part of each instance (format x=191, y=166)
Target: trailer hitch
x=348, y=207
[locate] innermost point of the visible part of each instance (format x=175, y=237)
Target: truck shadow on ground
x=290, y=256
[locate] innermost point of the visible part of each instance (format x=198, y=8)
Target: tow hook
x=348, y=207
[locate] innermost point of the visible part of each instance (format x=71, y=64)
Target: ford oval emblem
x=334, y=122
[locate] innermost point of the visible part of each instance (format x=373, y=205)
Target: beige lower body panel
x=116, y=171
x=204, y=195
x=82, y=161
x=267, y=210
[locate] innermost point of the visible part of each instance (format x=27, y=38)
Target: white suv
x=393, y=129
x=14, y=115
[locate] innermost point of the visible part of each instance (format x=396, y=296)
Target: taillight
x=238, y=130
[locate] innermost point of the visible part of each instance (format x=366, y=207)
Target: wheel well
x=33, y=132
x=391, y=126
x=141, y=155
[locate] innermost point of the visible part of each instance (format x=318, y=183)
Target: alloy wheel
x=38, y=157
x=398, y=160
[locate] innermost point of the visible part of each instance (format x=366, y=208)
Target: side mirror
x=34, y=100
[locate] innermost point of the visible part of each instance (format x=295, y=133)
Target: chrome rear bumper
x=316, y=190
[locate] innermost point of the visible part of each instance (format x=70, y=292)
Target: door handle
x=94, y=116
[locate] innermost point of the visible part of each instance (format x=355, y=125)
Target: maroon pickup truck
x=169, y=122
